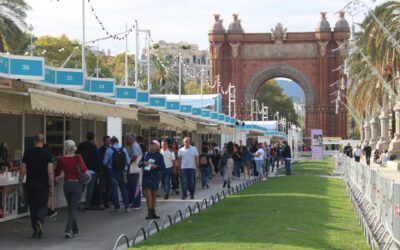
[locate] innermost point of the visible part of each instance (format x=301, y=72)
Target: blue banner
x=206, y=113
x=125, y=92
x=214, y=115
x=69, y=77
x=158, y=102
x=143, y=96
x=49, y=75
x=186, y=108
x=196, y=111
x=4, y=64
x=172, y=105
x=100, y=86
x=221, y=117
x=233, y=120
x=27, y=67
x=227, y=119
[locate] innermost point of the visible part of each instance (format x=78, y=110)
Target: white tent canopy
x=195, y=100
x=270, y=125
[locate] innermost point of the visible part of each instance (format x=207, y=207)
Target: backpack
x=118, y=159
x=203, y=160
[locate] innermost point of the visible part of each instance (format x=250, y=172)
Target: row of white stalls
x=62, y=104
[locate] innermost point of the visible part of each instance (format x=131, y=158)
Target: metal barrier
x=197, y=208
x=376, y=200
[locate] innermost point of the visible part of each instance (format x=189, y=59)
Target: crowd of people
x=129, y=170
x=357, y=152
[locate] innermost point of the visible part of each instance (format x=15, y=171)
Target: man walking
x=38, y=166
x=91, y=158
x=367, y=152
x=117, y=160
x=104, y=181
x=135, y=155
x=166, y=174
x=287, y=156
x=189, y=157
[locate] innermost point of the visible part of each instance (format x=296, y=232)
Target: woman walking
x=152, y=162
x=72, y=186
x=206, y=165
x=246, y=158
x=228, y=162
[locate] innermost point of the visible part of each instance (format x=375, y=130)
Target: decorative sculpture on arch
x=279, y=33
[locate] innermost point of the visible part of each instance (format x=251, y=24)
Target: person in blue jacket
x=152, y=163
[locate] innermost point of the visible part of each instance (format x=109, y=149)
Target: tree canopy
x=272, y=96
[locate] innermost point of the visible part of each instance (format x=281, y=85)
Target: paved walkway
x=99, y=229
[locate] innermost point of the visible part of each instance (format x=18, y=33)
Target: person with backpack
x=206, y=164
x=69, y=164
x=152, y=163
x=117, y=160
x=91, y=157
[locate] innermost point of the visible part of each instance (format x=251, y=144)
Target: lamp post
x=31, y=46
x=83, y=41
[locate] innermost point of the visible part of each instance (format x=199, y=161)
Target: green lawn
x=294, y=212
x=310, y=167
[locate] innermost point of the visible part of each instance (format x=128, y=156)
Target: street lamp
x=31, y=47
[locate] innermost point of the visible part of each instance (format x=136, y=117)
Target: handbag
x=84, y=178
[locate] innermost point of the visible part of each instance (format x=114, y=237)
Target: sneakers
x=177, y=192
x=264, y=179
x=132, y=208
x=67, y=235
x=40, y=230
x=166, y=196
x=51, y=213
x=126, y=210
x=192, y=197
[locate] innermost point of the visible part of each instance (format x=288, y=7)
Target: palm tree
x=12, y=23
x=165, y=74
x=365, y=90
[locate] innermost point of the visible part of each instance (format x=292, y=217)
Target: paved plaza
x=99, y=229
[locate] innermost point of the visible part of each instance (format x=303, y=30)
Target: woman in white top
x=357, y=153
x=166, y=174
x=384, y=157
x=259, y=159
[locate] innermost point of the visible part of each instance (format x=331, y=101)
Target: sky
x=175, y=20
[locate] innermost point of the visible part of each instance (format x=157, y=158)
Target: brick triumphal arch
x=311, y=59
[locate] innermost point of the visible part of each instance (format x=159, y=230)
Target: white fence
x=376, y=199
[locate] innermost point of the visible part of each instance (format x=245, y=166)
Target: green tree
x=193, y=88
x=12, y=23
x=272, y=96
x=56, y=50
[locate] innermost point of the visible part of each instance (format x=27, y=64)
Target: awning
x=206, y=128
x=126, y=113
x=56, y=103
x=47, y=102
x=190, y=125
x=170, y=120
x=227, y=130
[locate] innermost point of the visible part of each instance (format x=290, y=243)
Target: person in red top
x=72, y=186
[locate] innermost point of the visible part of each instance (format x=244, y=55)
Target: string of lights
x=119, y=36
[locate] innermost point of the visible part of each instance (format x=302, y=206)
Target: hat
x=155, y=142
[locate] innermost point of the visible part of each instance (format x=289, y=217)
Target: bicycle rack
x=122, y=236
x=183, y=215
